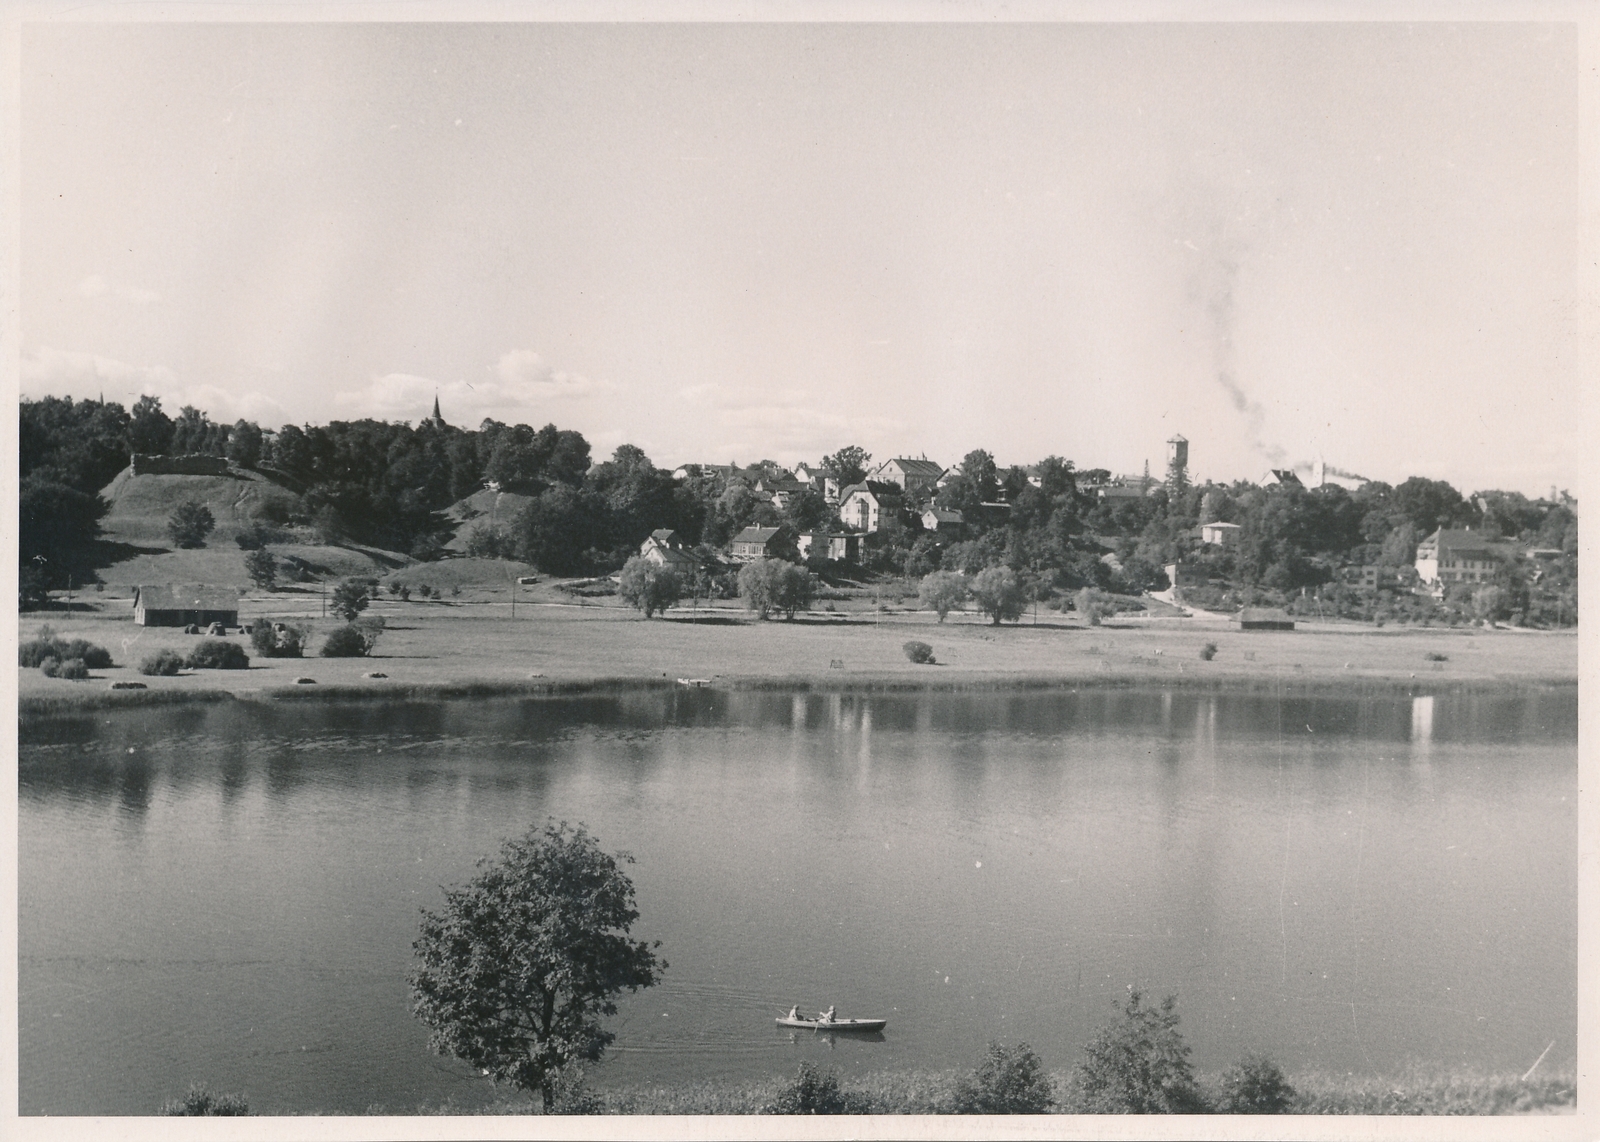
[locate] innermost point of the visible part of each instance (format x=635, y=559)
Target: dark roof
x=187, y=598
x=915, y=467
x=1465, y=540
x=881, y=490
x=761, y=535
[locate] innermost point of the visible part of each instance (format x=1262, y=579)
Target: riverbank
x=934, y=1092
x=446, y=650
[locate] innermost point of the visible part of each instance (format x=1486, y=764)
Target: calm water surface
x=228, y=894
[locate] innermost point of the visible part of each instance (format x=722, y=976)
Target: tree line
x=386, y=484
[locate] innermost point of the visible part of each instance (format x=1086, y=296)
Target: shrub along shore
x=937, y=1092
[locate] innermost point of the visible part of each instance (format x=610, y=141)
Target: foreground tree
x=1139, y=1063
x=768, y=585
x=649, y=586
x=190, y=523
x=522, y=961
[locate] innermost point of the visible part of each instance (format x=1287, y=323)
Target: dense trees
x=648, y=585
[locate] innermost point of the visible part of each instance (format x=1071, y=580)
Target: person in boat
x=826, y=1016
x=794, y=1012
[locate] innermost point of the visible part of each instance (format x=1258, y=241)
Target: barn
x=170, y=606
x=1265, y=618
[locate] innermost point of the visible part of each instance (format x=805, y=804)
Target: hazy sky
x=737, y=241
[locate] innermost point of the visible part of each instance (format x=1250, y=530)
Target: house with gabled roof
x=910, y=475
x=763, y=543
x=867, y=505
x=944, y=521
x=169, y=606
x=1460, y=555
x=665, y=548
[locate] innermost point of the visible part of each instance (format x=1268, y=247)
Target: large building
x=909, y=475
x=1450, y=556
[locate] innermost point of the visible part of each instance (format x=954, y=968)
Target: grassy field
x=472, y=640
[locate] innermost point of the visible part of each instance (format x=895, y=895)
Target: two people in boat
x=824, y=1017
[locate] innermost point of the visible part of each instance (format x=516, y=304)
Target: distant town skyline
x=1288, y=242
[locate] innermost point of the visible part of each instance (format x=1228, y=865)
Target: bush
x=35, y=651
x=165, y=662
x=1435, y=656
x=919, y=652
x=1089, y=605
x=1011, y=1080
x=1139, y=1064
x=50, y=666
x=349, y=641
x=942, y=591
x=816, y=1092
x=74, y=669
x=1255, y=1085
x=201, y=1102
x=1208, y=651
x=190, y=523
x=257, y=536
x=217, y=654
x=270, y=642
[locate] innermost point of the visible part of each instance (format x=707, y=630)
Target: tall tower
x=1177, y=464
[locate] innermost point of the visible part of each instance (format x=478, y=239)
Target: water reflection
x=982, y=865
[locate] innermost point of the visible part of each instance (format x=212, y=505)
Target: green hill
x=483, y=509
x=138, y=549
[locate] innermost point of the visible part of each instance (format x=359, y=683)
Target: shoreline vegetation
x=917, y=1092
x=480, y=646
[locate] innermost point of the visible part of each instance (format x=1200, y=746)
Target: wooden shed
x=1265, y=618
x=170, y=606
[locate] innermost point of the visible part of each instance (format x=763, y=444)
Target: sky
x=729, y=242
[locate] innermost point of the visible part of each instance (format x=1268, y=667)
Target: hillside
x=138, y=550
x=483, y=509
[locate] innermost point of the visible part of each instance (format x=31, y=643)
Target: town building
x=763, y=543
x=1450, y=556
x=169, y=606
x=1219, y=534
x=840, y=546
x=665, y=548
x=867, y=506
x=944, y=521
x=911, y=476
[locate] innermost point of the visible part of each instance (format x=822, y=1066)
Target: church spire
x=436, y=415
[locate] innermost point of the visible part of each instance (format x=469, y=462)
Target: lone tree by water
x=1139, y=1063
x=523, y=960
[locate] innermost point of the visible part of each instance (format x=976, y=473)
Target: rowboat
x=833, y=1024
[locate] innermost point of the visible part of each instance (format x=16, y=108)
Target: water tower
x=1177, y=464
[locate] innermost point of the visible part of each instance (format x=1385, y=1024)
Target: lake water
x=228, y=894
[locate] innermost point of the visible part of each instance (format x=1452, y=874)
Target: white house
x=864, y=506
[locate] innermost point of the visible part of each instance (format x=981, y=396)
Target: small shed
x=1265, y=618
x=170, y=606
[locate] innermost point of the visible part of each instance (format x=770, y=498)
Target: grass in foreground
x=937, y=1092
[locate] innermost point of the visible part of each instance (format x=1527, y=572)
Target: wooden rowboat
x=833, y=1024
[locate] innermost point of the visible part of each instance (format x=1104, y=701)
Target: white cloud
x=526, y=376
x=95, y=285
x=87, y=376
x=62, y=372
x=522, y=383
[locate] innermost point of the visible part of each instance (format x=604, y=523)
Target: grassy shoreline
x=448, y=650
x=933, y=1092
